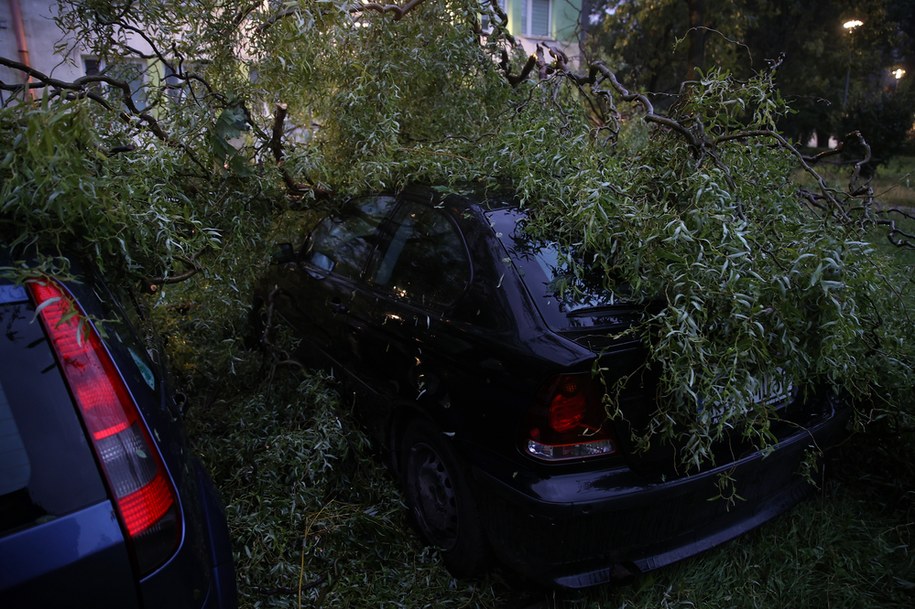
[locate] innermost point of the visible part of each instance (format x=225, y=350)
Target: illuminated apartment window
x=131, y=72
x=536, y=15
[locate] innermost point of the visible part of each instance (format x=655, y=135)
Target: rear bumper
x=583, y=529
x=201, y=573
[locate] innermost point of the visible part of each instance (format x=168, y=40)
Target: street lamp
x=850, y=26
x=898, y=73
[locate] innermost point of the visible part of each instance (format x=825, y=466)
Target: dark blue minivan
x=102, y=503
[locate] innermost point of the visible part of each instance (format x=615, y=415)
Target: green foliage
x=315, y=518
x=655, y=43
x=754, y=283
x=757, y=287
x=61, y=187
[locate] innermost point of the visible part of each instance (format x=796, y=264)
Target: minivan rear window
x=46, y=465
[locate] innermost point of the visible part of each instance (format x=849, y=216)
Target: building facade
x=555, y=23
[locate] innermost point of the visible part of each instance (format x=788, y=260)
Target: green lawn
x=894, y=183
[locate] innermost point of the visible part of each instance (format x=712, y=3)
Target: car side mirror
x=283, y=253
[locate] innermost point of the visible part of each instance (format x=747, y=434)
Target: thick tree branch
x=516, y=79
x=399, y=10
x=276, y=141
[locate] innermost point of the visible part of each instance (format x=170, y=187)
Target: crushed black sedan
x=477, y=379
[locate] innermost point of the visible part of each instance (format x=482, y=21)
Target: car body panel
x=198, y=572
x=75, y=560
x=588, y=527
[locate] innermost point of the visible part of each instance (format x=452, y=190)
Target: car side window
x=343, y=243
x=426, y=260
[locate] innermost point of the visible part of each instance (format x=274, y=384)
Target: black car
x=475, y=373
x=102, y=503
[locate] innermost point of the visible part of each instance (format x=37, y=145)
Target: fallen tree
x=257, y=108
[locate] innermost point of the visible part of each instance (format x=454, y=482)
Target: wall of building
x=564, y=25
x=41, y=36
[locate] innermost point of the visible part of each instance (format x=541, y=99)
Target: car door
x=314, y=294
x=399, y=329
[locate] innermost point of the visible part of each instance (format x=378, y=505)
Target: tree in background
x=836, y=80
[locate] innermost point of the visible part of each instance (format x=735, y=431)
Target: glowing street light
x=852, y=24
x=898, y=73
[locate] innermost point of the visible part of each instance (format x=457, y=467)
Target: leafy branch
x=597, y=75
x=82, y=87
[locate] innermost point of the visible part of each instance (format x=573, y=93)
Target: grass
x=317, y=521
x=847, y=547
x=315, y=518
x=893, y=184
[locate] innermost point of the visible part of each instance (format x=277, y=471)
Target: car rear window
x=565, y=300
x=46, y=465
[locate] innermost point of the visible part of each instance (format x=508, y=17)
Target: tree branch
x=827, y=193
x=399, y=10
x=154, y=283
x=276, y=142
x=517, y=79
x=276, y=148
x=80, y=87
x=650, y=115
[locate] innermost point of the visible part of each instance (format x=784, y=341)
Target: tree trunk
x=696, y=38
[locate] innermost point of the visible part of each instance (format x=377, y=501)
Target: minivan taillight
x=569, y=422
x=143, y=494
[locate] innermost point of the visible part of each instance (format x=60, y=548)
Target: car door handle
x=337, y=306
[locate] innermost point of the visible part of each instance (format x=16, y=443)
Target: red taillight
x=570, y=423
x=145, y=499
x=569, y=405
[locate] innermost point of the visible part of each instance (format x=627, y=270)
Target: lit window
x=537, y=17
x=131, y=72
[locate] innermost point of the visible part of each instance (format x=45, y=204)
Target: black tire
x=441, y=502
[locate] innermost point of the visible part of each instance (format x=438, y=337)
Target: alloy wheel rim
x=435, y=498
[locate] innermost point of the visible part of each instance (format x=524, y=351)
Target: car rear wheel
x=440, y=500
